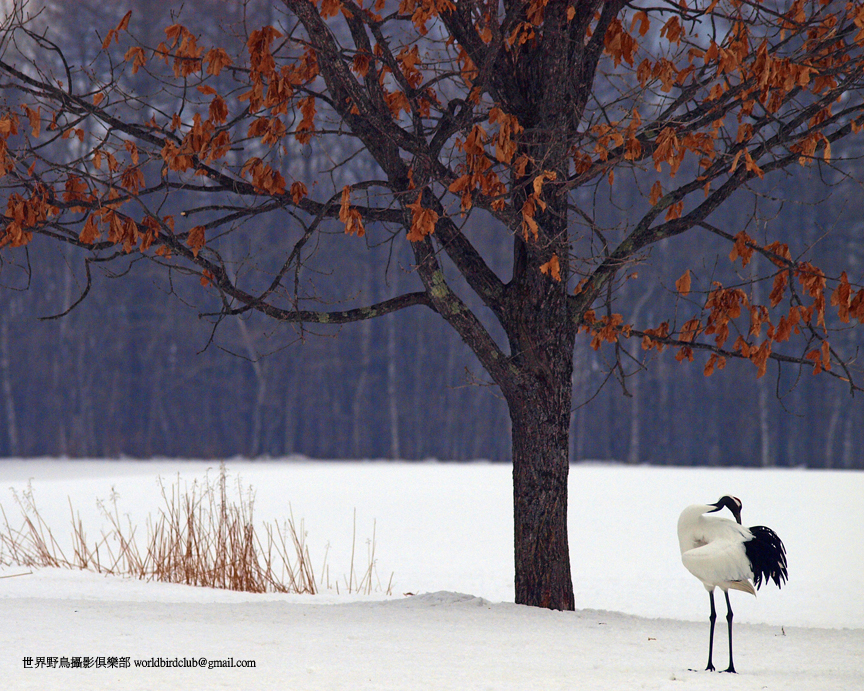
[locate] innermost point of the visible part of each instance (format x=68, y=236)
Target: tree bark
x=541, y=463
x=539, y=399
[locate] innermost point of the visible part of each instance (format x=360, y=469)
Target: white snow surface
x=445, y=533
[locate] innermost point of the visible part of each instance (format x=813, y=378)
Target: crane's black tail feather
x=767, y=556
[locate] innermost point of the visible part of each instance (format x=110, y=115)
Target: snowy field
x=444, y=533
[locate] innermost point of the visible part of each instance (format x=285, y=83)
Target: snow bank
x=444, y=530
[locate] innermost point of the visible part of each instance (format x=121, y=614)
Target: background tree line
x=127, y=372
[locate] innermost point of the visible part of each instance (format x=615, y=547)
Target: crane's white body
x=712, y=549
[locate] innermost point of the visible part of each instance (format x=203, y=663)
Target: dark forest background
x=134, y=371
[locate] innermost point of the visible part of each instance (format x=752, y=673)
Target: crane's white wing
x=695, y=529
x=712, y=529
x=721, y=562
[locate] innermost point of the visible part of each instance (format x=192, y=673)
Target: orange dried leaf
x=714, y=362
x=8, y=125
x=132, y=179
x=735, y=161
x=136, y=55
x=124, y=23
x=684, y=352
x=758, y=317
x=817, y=360
x=751, y=166
x=360, y=64
x=760, y=358
x=674, y=211
x=151, y=232
x=196, y=239
x=682, y=285
x=644, y=22
x=552, y=268
x=529, y=225
x=130, y=146
x=35, y=119
x=306, y=127
x=743, y=248
x=422, y=220
x=690, y=330
x=672, y=30
x=330, y=8
x=842, y=298
x=114, y=34
x=350, y=217
x=781, y=281
x=540, y=179
x=652, y=337
x=90, y=232
x=298, y=191
x=217, y=59
x=218, y=111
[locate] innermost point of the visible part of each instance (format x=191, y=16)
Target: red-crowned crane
x=724, y=554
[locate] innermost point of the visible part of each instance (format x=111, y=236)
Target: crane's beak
x=731, y=504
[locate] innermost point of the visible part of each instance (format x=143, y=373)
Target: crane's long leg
x=731, y=667
x=712, y=619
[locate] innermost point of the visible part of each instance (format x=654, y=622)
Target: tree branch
x=777, y=357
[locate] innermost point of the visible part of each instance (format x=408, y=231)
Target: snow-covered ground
x=442, y=530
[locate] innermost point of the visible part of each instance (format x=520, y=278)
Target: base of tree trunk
x=540, y=470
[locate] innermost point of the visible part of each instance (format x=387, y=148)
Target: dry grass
x=201, y=536
x=369, y=582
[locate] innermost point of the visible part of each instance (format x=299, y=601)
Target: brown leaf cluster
x=183, y=47
x=264, y=177
x=422, y=220
x=350, y=217
x=421, y=11
x=606, y=329
x=533, y=203
x=114, y=34
x=476, y=172
x=23, y=214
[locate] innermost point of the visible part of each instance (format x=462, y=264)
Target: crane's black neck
x=731, y=503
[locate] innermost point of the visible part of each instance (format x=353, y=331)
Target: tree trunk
x=12, y=448
x=360, y=403
x=540, y=467
x=395, y=449
x=765, y=458
x=256, y=437
x=539, y=405
x=539, y=394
